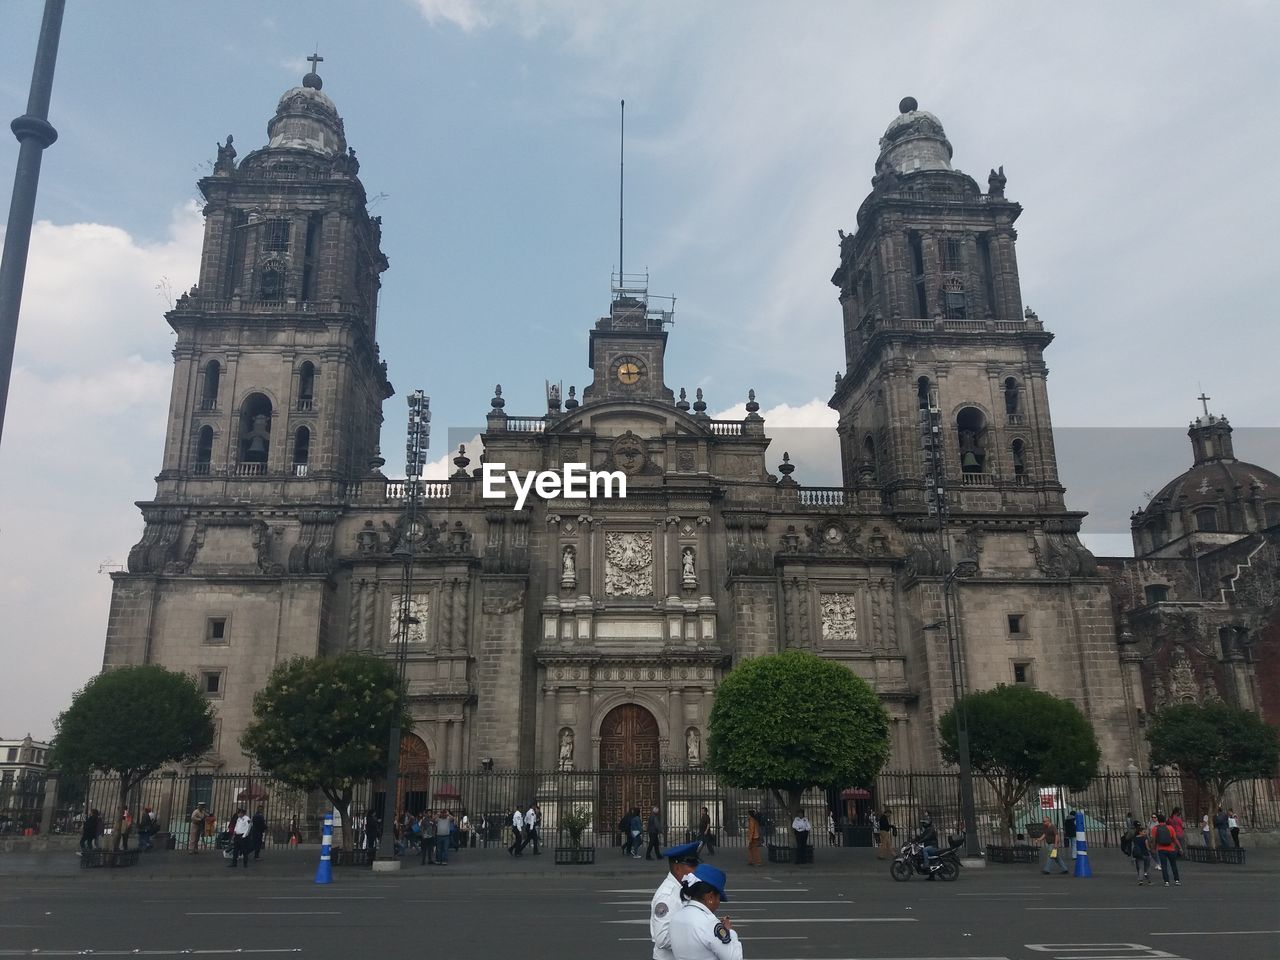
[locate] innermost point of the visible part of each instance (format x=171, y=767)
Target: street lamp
x=418, y=438
x=961, y=571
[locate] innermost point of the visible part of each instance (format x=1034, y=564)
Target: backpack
x=1164, y=835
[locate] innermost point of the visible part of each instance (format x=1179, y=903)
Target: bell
x=970, y=461
x=257, y=445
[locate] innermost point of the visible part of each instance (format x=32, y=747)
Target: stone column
x=50, y=805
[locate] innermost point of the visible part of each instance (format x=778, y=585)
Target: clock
x=629, y=370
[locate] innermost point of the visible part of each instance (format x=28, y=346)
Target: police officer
x=666, y=900
x=696, y=932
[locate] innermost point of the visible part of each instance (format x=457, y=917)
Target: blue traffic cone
x=1082, y=848
x=324, y=872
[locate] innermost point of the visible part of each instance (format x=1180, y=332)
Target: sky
x=1139, y=138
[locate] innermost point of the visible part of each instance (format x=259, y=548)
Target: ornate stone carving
x=628, y=453
x=565, y=759
x=693, y=746
x=628, y=564
x=839, y=618
x=688, y=570
x=568, y=568
x=1182, y=679
x=419, y=610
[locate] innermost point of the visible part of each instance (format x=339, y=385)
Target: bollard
x=324, y=872
x=1082, y=848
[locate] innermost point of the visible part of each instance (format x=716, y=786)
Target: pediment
x=615, y=419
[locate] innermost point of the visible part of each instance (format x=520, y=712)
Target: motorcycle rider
x=928, y=840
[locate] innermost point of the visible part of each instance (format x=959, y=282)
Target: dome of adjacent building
x=915, y=140
x=307, y=119
x=1214, y=480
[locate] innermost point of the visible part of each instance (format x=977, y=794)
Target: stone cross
x=315, y=59
x=1204, y=400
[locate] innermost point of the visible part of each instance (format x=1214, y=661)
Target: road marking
x=1014, y=893
x=750, y=940
x=1094, y=909
x=1211, y=933
x=265, y=913
x=801, y=920
x=736, y=901
x=34, y=952
x=1103, y=951
x=735, y=890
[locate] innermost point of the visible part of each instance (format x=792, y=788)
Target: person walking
x=1233, y=827
x=1140, y=850
x=696, y=932
x=654, y=827
x=240, y=829
x=1179, y=828
x=126, y=828
x=802, y=828
x=706, y=836
x=89, y=830
x=885, y=825
x=444, y=834
x=637, y=831
x=517, y=833
x=666, y=902
x=148, y=827
x=754, y=837
x=1166, y=842
x=1204, y=828
x=198, y=817
x=1051, y=850
x=1221, y=825
x=831, y=829
x=426, y=838
x=531, y=818
x=257, y=833
x=1068, y=837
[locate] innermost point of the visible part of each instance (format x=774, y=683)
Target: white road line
x=1014, y=893
x=799, y=919
x=748, y=940
x=650, y=890
x=1092, y=909
x=267, y=913
x=36, y=952
x=735, y=901
x=1210, y=933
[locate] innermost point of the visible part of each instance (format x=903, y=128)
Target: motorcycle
x=945, y=863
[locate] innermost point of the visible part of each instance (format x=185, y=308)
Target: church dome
x=1213, y=481
x=914, y=141
x=307, y=119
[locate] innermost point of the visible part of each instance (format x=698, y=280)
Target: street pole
x=417, y=439
x=34, y=133
x=972, y=847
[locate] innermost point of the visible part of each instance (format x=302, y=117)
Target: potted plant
x=575, y=822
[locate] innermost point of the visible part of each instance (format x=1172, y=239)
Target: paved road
x=491, y=907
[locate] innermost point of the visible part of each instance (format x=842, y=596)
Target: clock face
x=628, y=370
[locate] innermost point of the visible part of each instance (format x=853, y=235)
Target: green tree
x=1019, y=737
x=131, y=721
x=323, y=723
x=1215, y=744
x=792, y=721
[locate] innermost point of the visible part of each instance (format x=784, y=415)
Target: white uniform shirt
x=698, y=934
x=517, y=820
x=242, y=826
x=665, y=905
x=531, y=818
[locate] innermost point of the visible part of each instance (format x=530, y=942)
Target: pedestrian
x=240, y=830
x=666, y=902
x=1233, y=825
x=257, y=833
x=624, y=828
x=427, y=838
x=464, y=828
x=198, y=817
x=887, y=831
x=1140, y=850
x=636, y=826
x=517, y=833
x=1222, y=825
x=655, y=830
x=444, y=834
x=126, y=828
x=1204, y=828
x=531, y=819
x=696, y=932
x=295, y=833
x=754, y=837
x=1166, y=843
x=1179, y=828
x=89, y=830
x=148, y=827
x=1050, y=838
x=1069, y=834
x=831, y=828
x=706, y=835
x=802, y=828
x=372, y=832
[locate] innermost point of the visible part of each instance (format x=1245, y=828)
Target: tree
x=323, y=723
x=1215, y=744
x=792, y=721
x=1019, y=737
x=131, y=721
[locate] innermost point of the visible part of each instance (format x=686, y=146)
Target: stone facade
x=547, y=636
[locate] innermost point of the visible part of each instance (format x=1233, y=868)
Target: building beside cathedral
x=591, y=633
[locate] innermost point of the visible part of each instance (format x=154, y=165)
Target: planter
x=350, y=858
x=778, y=853
x=1018, y=853
x=1215, y=855
x=105, y=858
x=575, y=856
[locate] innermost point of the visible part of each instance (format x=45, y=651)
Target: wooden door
x=629, y=762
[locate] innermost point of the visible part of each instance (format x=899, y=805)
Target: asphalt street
x=491, y=907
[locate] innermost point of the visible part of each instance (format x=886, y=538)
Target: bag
x=1126, y=845
x=1053, y=853
x=1164, y=836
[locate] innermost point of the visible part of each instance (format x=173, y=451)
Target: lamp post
x=961, y=571
x=417, y=440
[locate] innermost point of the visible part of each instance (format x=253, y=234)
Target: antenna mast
x=622, y=133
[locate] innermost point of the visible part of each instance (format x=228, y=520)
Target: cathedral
x=590, y=633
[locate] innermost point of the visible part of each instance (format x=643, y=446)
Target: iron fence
x=841, y=816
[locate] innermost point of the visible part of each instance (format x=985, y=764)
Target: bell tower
x=627, y=348
x=943, y=399
x=277, y=378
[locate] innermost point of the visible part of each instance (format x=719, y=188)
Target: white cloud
x=83, y=435
x=466, y=15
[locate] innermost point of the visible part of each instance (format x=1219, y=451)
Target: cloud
x=466, y=15
x=83, y=435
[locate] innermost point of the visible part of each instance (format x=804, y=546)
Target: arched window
x=306, y=385
x=212, y=381
x=301, y=451
x=926, y=394
x=204, y=449
x=1207, y=520
x=870, y=463
x=1018, y=452
x=955, y=306
x=971, y=431
x=1011, y=396
x=255, y=434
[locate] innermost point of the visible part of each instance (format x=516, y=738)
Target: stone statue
x=565, y=761
x=568, y=567
x=995, y=183
x=693, y=746
x=688, y=573
x=226, y=161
